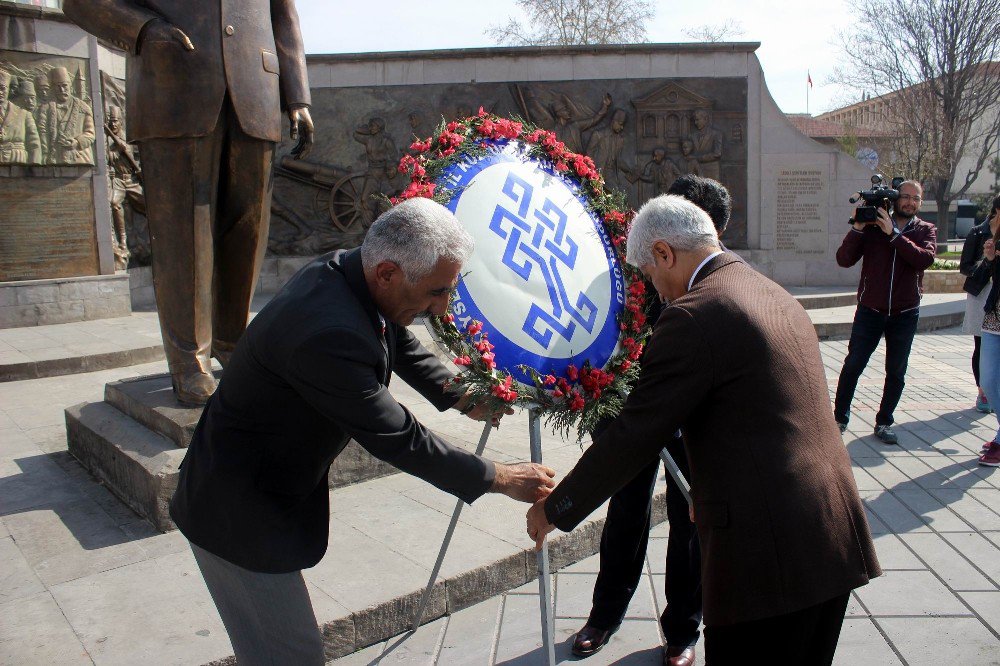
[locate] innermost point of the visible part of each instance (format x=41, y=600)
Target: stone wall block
x=451, y=70
x=35, y=294
x=60, y=312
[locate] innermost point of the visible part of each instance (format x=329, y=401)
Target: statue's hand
x=302, y=129
x=160, y=30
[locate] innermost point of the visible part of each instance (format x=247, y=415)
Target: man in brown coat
x=206, y=82
x=735, y=364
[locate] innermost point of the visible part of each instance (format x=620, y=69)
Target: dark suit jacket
x=310, y=372
x=736, y=365
x=176, y=93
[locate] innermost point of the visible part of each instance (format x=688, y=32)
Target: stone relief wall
x=46, y=116
x=642, y=134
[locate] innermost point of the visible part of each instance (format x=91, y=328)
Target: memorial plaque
x=801, y=213
x=47, y=228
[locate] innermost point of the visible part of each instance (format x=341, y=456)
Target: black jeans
x=623, y=553
x=977, y=345
x=806, y=637
x=869, y=327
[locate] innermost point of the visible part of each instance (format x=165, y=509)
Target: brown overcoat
x=250, y=49
x=735, y=364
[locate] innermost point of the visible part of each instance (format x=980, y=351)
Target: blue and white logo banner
x=544, y=279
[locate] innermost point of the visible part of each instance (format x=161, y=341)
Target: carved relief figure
x=19, y=142
x=707, y=144
x=382, y=158
x=126, y=183
x=42, y=89
x=605, y=148
x=661, y=172
x=568, y=118
x=68, y=123
x=418, y=129
x=690, y=162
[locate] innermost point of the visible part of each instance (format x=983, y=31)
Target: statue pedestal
x=135, y=440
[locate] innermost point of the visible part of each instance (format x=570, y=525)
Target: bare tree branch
x=720, y=32
x=568, y=22
x=932, y=65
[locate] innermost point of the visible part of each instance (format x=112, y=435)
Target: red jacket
x=893, y=268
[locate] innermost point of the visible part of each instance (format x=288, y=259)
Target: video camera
x=879, y=196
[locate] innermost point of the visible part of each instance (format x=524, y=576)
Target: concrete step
x=818, y=298
x=937, y=311
x=134, y=441
x=138, y=465
x=46, y=351
x=85, y=346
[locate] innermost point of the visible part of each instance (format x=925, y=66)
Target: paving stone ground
x=934, y=512
x=83, y=580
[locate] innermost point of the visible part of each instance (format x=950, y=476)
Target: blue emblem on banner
x=544, y=279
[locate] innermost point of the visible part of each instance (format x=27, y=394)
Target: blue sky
x=795, y=36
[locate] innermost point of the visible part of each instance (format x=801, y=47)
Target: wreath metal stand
x=542, y=557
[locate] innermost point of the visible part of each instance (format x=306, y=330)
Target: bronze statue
x=206, y=82
x=707, y=142
x=125, y=178
x=68, y=123
x=19, y=143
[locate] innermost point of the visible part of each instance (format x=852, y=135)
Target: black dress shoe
x=677, y=656
x=590, y=640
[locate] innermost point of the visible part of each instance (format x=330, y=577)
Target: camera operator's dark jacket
x=972, y=266
x=893, y=268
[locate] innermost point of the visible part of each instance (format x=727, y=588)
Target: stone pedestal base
x=64, y=300
x=134, y=441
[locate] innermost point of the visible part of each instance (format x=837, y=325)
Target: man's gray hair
x=415, y=234
x=672, y=219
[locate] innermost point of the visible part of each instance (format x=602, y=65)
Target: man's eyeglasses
x=910, y=197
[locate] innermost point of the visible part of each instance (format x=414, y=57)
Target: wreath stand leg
x=676, y=475
x=544, y=579
x=447, y=539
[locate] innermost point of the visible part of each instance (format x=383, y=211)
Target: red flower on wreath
x=581, y=387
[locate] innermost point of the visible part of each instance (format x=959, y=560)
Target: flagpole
x=808, y=85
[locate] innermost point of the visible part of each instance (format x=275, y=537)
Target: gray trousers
x=269, y=617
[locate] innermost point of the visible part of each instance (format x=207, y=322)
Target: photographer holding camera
x=895, y=248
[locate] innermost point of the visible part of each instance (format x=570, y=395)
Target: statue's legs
x=241, y=227
x=208, y=230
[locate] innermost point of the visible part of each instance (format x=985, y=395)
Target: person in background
x=989, y=361
x=977, y=287
x=894, y=251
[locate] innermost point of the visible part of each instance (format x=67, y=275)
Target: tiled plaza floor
x=83, y=580
x=934, y=512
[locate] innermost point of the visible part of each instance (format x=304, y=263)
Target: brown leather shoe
x=678, y=656
x=193, y=388
x=590, y=640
